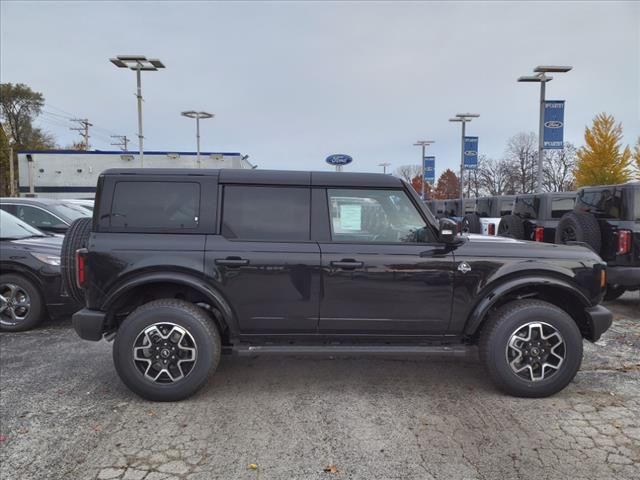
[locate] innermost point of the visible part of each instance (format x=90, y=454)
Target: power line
x=83, y=129
x=122, y=143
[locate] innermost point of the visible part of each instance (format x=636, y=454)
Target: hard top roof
x=270, y=177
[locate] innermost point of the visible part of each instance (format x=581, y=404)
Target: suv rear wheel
x=471, y=223
x=166, y=350
x=531, y=348
x=511, y=226
x=76, y=237
x=579, y=227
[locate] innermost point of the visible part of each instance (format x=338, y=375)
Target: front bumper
x=599, y=320
x=89, y=324
x=623, y=276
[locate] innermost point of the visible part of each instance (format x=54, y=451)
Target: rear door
x=377, y=277
x=263, y=259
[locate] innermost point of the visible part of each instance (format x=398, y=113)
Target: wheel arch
x=558, y=292
x=152, y=286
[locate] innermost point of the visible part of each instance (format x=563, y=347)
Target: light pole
x=197, y=116
x=542, y=78
x=384, y=166
x=423, y=144
x=463, y=118
x=139, y=64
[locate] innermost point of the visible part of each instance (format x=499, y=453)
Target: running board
x=328, y=350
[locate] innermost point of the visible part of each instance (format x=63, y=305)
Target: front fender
x=216, y=299
x=495, y=293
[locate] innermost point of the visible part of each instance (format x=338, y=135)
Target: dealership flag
x=470, y=153
x=553, y=124
x=430, y=170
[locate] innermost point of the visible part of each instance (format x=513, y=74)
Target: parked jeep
x=607, y=218
x=178, y=266
x=536, y=216
x=487, y=215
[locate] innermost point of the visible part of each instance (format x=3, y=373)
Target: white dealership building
x=74, y=173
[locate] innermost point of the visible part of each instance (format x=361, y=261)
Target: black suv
x=536, y=216
x=607, y=218
x=181, y=265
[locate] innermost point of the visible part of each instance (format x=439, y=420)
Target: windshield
x=70, y=211
x=14, y=228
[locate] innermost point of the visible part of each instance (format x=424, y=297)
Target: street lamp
x=423, y=144
x=463, y=118
x=139, y=64
x=384, y=166
x=197, y=116
x=542, y=78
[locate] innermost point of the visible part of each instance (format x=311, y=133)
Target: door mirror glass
x=448, y=230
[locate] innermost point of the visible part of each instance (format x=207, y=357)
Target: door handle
x=232, y=261
x=347, y=264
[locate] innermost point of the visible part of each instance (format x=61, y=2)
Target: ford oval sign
x=553, y=124
x=339, y=159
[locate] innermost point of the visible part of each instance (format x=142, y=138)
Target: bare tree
x=473, y=179
x=495, y=177
x=408, y=172
x=558, y=169
x=521, y=157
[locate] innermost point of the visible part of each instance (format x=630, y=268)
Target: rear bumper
x=599, y=320
x=89, y=324
x=624, y=276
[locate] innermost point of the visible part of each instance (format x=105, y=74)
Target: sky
x=292, y=82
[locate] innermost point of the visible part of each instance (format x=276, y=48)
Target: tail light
x=492, y=229
x=539, y=234
x=81, y=267
x=624, y=242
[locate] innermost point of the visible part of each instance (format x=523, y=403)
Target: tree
x=521, y=157
x=602, y=161
x=4, y=164
x=495, y=176
x=558, y=169
x=473, y=179
x=416, y=183
x=636, y=157
x=448, y=186
x=19, y=107
x=408, y=172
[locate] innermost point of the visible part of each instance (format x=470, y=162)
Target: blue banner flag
x=553, y=124
x=430, y=170
x=470, y=153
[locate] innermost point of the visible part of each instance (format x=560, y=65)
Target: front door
x=264, y=262
x=377, y=277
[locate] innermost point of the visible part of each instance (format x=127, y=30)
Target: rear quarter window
x=604, y=203
x=155, y=205
x=526, y=207
x=560, y=206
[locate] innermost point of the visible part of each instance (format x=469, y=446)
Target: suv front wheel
x=166, y=350
x=531, y=348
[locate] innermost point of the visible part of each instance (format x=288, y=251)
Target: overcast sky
x=292, y=82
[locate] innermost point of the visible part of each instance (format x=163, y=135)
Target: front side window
x=155, y=205
x=36, y=217
x=253, y=212
x=373, y=216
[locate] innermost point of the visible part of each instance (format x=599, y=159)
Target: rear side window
x=266, y=213
x=605, y=203
x=161, y=205
x=505, y=207
x=560, y=206
x=526, y=207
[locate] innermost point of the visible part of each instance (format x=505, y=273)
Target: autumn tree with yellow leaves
x=603, y=161
x=636, y=157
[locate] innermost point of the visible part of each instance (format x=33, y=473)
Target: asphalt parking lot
x=65, y=414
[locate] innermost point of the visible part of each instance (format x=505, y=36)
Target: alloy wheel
x=536, y=351
x=15, y=304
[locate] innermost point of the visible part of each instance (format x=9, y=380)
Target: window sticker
x=351, y=216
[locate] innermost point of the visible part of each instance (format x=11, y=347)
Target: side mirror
x=58, y=228
x=448, y=230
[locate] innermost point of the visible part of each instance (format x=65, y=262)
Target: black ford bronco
x=179, y=266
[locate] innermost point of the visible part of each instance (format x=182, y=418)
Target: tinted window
x=526, y=207
x=162, y=205
x=11, y=227
x=373, y=216
x=266, y=213
x=70, y=212
x=37, y=217
x=605, y=203
x=560, y=206
x=483, y=208
x=505, y=206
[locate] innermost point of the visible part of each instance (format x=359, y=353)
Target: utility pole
x=384, y=166
x=83, y=129
x=542, y=77
x=12, y=175
x=197, y=116
x=423, y=144
x=122, y=143
x=463, y=118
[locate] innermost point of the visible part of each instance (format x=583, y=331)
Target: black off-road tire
x=613, y=292
x=186, y=315
x=77, y=237
x=26, y=290
x=511, y=226
x=499, y=329
x=579, y=227
x=471, y=223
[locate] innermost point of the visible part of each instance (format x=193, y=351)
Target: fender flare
x=213, y=295
x=497, y=292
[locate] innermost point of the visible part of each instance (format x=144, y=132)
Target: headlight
x=48, y=259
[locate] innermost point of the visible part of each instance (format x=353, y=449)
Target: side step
x=329, y=350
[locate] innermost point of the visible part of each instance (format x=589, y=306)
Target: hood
x=487, y=245
x=50, y=245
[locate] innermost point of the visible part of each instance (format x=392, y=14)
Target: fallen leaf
x=331, y=469
x=151, y=413
x=3, y=438
x=252, y=466
x=97, y=428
